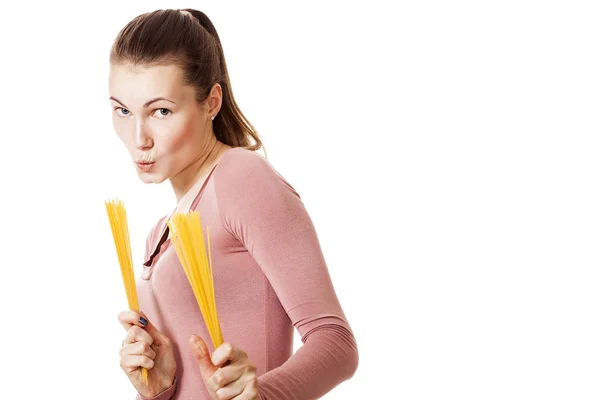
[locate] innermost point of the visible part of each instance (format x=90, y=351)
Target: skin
x=177, y=135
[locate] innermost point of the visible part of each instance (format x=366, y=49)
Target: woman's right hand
x=145, y=346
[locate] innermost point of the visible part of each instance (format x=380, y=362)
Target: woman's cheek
x=177, y=143
x=123, y=134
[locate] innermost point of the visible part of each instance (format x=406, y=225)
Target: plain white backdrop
x=448, y=153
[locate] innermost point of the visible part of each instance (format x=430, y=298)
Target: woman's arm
x=267, y=215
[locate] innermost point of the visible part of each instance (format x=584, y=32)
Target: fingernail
x=143, y=321
x=198, y=347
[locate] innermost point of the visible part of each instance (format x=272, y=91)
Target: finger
x=230, y=391
x=250, y=391
x=226, y=352
x=157, y=335
x=201, y=353
x=130, y=363
x=137, y=334
x=138, y=348
x=131, y=318
x=226, y=382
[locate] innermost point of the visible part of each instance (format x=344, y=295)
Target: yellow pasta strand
x=188, y=239
x=120, y=230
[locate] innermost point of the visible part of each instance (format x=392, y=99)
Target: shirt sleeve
x=259, y=207
x=164, y=395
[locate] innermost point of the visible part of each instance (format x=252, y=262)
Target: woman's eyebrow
x=145, y=105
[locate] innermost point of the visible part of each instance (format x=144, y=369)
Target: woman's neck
x=197, y=170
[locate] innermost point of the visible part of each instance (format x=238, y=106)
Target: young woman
x=174, y=110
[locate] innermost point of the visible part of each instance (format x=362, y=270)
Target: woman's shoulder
x=241, y=169
x=239, y=163
x=241, y=157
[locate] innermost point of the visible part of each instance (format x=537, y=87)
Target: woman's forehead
x=146, y=82
x=172, y=73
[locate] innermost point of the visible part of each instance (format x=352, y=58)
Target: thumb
x=157, y=335
x=202, y=355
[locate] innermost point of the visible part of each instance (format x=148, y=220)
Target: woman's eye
x=164, y=109
x=124, y=110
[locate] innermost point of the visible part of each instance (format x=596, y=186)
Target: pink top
x=269, y=275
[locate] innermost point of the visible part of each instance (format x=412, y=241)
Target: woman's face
x=165, y=135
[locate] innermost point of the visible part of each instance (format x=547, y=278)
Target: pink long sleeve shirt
x=270, y=277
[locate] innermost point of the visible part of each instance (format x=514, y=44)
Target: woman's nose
x=143, y=138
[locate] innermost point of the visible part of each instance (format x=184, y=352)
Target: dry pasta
x=120, y=230
x=188, y=239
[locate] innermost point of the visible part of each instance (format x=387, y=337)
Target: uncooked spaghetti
x=188, y=239
x=120, y=230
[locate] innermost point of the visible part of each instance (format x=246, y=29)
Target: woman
x=174, y=110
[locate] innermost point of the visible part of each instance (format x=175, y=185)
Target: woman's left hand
x=228, y=374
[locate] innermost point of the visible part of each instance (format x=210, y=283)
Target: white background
x=448, y=153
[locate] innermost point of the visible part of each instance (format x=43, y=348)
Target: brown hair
x=187, y=38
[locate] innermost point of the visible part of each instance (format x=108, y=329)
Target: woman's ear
x=215, y=99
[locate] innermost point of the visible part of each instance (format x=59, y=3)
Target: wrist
x=167, y=383
x=165, y=394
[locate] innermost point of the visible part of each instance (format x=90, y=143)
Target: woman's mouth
x=144, y=165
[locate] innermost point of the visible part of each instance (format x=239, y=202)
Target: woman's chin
x=146, y=177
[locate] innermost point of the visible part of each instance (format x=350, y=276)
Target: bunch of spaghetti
x=120, y=230
x=188, y=238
